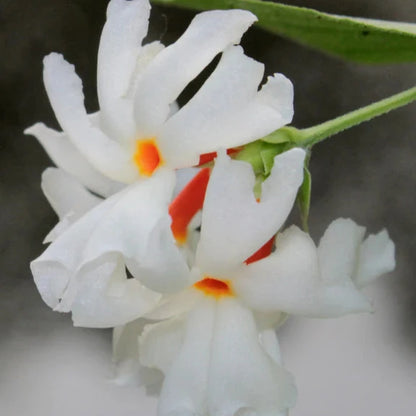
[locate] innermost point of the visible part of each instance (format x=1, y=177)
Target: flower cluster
x=212, y=272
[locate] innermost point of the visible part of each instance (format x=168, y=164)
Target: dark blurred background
x=359, y=365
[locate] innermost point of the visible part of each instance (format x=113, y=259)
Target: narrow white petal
x=160, y=343
x=58, y=229
x=289, y=280
x=129, y=371
x=138, y=226
x=133, y=223
x=278, y=94
x=174, y=67
x=66, y=156
x=173, y=304
x=161, y=266
x=210, y=119
x=64, y=90
x=234, y=224
x=227, y=111
x=104, y=300
x=183, y=177
x=126, y=340
x=184, y=391
x=69, y=199
x=147, y=54
x=66, y=195
x=242, y=375
x=376, y=257
x=270, y=343
x=338, y=250
x=120, y=46
x=267, y=320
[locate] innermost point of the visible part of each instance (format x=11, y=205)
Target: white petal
x=242, y=376
x=338, y=250
x=174, y=304
x=289, y=280
x=129, y=371
x=120, y=46
x=131, y=223
x=139, y=227
x=183, y=177
x=66, y=156
x=278, y=94
x=147, y=54
x=376, y=257
x=66, y=195
x=265, y=321
x=184, y=391
x=58, y=229
x=173, y=68
x=210, y=119
x=69, y=199
x=160, y=343
x=105, y=300
x=270, y=343
x=234, y=224
x=227, y=111
x=162, y=266
x=64, y=90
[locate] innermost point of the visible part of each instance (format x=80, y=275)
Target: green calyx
x=261, y=153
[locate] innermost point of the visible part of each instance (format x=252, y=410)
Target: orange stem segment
x=187, y=203
x=262, y=252
x=209, y=157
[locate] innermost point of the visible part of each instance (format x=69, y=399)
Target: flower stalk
x=316, y=134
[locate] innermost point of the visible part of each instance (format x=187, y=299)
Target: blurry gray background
x=360, y=365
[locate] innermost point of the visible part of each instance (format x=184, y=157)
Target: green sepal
x=257, y=186
x=283, y=135
x=303, y=198
x=251, y=153
x=268, y=154
x=261, y=155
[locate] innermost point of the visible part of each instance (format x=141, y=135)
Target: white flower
x=347, y=259
x=83, y=270
x=331, y=285
x=139, y=139
x=209, y=349
x=216, y=346
x=74, y=275
x=136, y=132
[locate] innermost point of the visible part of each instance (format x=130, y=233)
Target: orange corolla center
x=147, y=156
x=214, y=287
x=187, y=203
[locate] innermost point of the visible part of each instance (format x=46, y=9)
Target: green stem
x=315, y=134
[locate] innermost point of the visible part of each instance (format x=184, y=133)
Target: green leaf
x=355, y=39
x=304, y=197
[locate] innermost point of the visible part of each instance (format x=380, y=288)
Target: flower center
x=214, y=287
x=147, y=156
